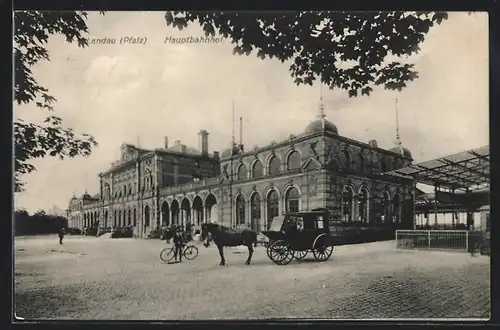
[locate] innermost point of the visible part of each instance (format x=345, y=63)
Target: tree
x=350, y=51
x=31, y=32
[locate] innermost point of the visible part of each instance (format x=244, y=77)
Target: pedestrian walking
x=62, y=231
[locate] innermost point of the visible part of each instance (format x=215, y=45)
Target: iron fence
x=443, y=240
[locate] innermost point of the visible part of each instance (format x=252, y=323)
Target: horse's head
x=208, y=228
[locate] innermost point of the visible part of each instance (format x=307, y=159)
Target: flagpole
x=231, y=172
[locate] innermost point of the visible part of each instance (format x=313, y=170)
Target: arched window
x=272, y=206
x=258, y=169
x=129, y=222
x=363, y=203
x=293, y=160
x=361, y=163
x=396, y=209
x=383, y=165
x=255, y=211
x=292, y=198
x=129, y=189
x=240, y=209
x=124, y=190
x=386, y=207
x=146, y=216
x=115, y=220
x=347, y=201
x=347, y=161
x=242, y=172
x=274, y=166
x=135, y=217
x=120, y=224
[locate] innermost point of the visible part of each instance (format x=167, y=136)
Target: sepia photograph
x=177, y=165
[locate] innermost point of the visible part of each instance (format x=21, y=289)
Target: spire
x=321, y=114
x=398, y=139
x=233, y=139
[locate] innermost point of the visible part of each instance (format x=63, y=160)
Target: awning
x=465, y=170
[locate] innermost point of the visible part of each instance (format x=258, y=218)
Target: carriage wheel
x=167, y=254
x=299, y=255
x=268, y=248
x=191, y=252
x=322, y=250
x=280, y=253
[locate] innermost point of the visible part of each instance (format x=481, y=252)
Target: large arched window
x=272, y=206
x=292, y=198
x=258, y=169
x=347, y=161
x=361, y=163
x=293, y=161
x=115, y=219
x=347, y=201
x=383, y=165
x=274, y=165
x=135, y=217
x=255, y=211
x=386, y=207
x=242, y=172
x=146, y=216
x=396, y=209
x=363, y=205
x=120, y=224
x=129, y=219
x=165, y=214
x=240, y=209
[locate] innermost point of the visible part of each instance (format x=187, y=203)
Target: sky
x=139, y=93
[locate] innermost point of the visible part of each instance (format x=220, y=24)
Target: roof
x=465, y=170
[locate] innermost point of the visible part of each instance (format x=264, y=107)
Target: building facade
x=319, y=168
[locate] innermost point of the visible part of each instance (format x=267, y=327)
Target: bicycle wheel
x=190, y=252
x=167, y=254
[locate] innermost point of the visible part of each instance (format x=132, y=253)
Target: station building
x=317, y=168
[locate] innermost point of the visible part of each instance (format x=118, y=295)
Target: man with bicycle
x=179, y=242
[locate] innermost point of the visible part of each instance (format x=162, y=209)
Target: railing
x=443, y=240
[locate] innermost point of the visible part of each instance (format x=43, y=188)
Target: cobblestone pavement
x=97, y=278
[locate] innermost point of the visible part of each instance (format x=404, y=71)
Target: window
x=274, y=166
x=292, y=200
x=240, y=209
x=242, y=172
x=258, y=169
x=293, y=160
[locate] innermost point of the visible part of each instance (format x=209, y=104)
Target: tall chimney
x=241, y=134
x=165, y=142
x=203, y=142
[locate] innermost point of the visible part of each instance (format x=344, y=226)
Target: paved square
x=100, y=278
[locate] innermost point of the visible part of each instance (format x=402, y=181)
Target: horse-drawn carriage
x=294, y=235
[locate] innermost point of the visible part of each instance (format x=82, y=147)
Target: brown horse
x=223, y=236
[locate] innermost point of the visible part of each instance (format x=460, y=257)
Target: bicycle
x=190, y=252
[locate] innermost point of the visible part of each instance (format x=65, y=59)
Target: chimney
x=177, y=143
x=216, y=154
x=165, y=142
x=203, y=142
x=183, y=149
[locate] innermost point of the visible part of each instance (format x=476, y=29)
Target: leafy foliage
x=350, y=51
x=38, y=223
x=31, y=32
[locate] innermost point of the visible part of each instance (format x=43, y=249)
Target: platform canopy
x=467, y=170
